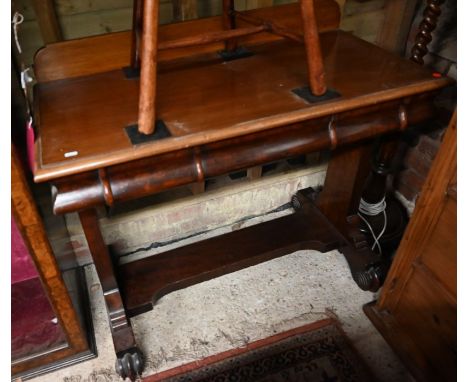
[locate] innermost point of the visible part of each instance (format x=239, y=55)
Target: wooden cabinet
x=417, y=309
x=50, y=326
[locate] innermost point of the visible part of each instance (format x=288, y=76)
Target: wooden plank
x=47, y=19
x=184, y=10
x=442, y=241
x=426, y=215
x=364, y=25
x=396, y=24
x=356, y=7
x=259, y=3
x=254, y=172
x=73, y=7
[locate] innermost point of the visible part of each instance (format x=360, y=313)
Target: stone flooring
x=238, y=308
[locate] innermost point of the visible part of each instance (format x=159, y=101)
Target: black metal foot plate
x=131, y=73
x=240, y=52
x=305, y=93
x=137, y=138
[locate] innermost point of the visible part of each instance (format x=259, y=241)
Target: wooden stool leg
x=229, y=22
x=129, y=359
x=149, y=68
x=314, y=53
x=136, y=34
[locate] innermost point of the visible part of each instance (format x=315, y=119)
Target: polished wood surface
x=109, y=52
x=138, y=178
x=417, y=308
x=197, y=110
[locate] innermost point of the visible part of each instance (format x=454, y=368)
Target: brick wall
x=442, y=57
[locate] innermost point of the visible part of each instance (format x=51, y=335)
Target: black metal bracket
x=239, y=52
x=306, y=94
x=137, y=138
x=131, y=72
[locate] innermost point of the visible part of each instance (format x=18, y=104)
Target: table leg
x=344, y=182
x=129, y=359
x=339, y=202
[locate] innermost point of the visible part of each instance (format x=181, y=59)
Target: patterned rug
x=319, y=352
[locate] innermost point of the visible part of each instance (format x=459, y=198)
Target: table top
x=202, y=99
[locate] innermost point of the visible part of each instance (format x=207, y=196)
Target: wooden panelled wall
x=80, y=18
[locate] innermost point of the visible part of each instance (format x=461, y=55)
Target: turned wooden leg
x=317, y=83
x=136, y=34
x=149, y=67
x=129, y=359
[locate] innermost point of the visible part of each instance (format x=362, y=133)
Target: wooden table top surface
x=202, y=99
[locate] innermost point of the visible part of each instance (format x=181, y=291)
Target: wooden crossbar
x=145, y=47
x=269, y=26
x=210, y=37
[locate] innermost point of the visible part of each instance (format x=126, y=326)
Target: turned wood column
x=426, y=27
x=149, y=64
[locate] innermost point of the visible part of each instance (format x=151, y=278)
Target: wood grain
x=109, y=52
x=108, y=100
x=426, y=215
x=138, y=178
x=417, y=308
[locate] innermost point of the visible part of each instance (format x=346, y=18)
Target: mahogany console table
x=217, y=115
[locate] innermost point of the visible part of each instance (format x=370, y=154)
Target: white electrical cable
x=18, y=18
x=370, y=209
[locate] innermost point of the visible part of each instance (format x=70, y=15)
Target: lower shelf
x=144, y=281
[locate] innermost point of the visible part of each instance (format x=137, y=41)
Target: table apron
x=148, y=176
